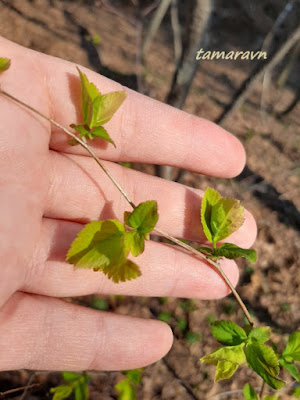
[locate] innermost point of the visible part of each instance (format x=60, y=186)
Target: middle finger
x=166, y=270
x=81, y=192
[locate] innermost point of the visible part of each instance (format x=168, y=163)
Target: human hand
x=50, y=189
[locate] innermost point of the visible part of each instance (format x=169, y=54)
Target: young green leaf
x=134, y=242
x=228, y=333
x=121, y=272
x=296, y=392
x=89, y=92
x=81, y=391
x=225, y=370
x=85, y=132
x=61, y=392
x=233, y=354
x=101, y=133
x=143, y=218
x=98, y=244
x=227, y=216
x=4, y=64
x=232, y=251
x=249, y=393
x=220, y=216
x=134, y=375
x=260, y=335
x=126, y=389
x=101, y=245
x=291, y=368
x=70, y=376
x=210, y=199
x=264, y=362
x=227, y=360
x=105, y=106
x=292, y=349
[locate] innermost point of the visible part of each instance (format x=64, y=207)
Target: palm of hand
x=48, y=190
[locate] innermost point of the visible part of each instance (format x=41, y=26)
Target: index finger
x=144, y=129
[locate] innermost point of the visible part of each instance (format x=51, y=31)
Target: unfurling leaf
x=227, y=359
x=263, y=360
x=232, y=251
x=226, y=217
x=97, y=109
x=4, y=64
x=228, y=333
x=105, y=106
x=220, y=216
x=210, y=199
x=89, y=92
x=260, y=334
x=143, y=218
x=292, y=349
x=101, y=245
x=249, y=393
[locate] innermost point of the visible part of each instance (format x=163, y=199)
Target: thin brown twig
x=261, y=393
x=150, y=8
x=116, y=11
x=124, y=194
x=29, y=382
x=18, y=389
x=181, y=382
x=81, y=142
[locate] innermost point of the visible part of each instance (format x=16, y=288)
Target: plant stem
x=18, y=389
x=216, y=265
x=83, y=144
x=160, y=232
x=261, y=393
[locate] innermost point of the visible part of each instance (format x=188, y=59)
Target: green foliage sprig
x=248, y=345
x=127, y=388
x=76, y=384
